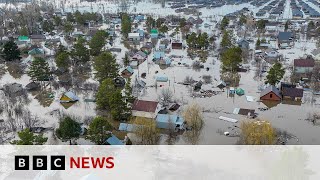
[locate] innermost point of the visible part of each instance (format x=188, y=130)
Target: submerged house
x=292, y=93
x=166, y=121
x=69, y=97
x=113, y=140
x=304, y=65
x=270, y=93
x=285, y=39
x=147, y=109
x=127, y=72
x=158, y=55
x=154, y=34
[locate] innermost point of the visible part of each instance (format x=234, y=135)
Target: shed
x=113, y=140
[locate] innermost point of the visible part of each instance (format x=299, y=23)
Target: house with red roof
x=303, y=66
x=147, y=109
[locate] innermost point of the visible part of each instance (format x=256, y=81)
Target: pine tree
x=258, y=43
x=68, y=129
x=28, y=138
x=97, y=42
x=62, y=60
x=231, y=59
x=226, y=41
x=224, y=23
x=39, y=70
x=125, y=25
x=10, y=51
x=106, y=66
x=275, y=74
x=98, y=130
x=80, y=53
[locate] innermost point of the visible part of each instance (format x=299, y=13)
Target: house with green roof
x=154, y=34
x=23, y=40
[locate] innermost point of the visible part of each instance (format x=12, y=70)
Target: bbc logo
x=39, y=163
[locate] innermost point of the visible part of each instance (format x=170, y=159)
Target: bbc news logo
x=59, y=162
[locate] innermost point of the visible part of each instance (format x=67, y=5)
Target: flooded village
x=116, y=72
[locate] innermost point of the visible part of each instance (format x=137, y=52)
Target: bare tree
x=146, y=130
x=165, y=97
x=194, y=120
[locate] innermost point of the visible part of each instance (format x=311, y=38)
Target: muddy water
x=286, y=117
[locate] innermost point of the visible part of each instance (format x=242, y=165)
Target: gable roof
x=72, y=96
x=270, y=89
x=285, y=36
x=146, y=106
x=292, y=92
x=113, y=140
x=309, y=62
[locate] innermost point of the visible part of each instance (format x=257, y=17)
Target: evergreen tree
x=286, y=26
x=261, y=24
x=243, y=19
x=47, y=26
x=226, y=41
x=39, y=70
x=80, y=53
x=163, y=29
x=110, y=98
x=105, y=91
x=79, y=18
x=191, y=40
x=182, y=23
x=97, y=42
x=62, y=60
x=224, y=23
x=68, y=129
x=125, y=25
x=10, y=51
x=231, y=59
x=24, y=31
x=311, y=25
x=68, y=27
x=98, y=130
x=57, y=20
x=126, y=60
x=258, y=43
x=151, y=23
x=28, y=138
x=106, y=66
x=128, y=92
x=275, y=74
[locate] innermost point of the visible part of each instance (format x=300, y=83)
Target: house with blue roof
x=285, y=39
x=139, y=18
x=141, y=33
x=165, y=61
x=127, y=72
x=158, y=55
x=113, y=140
x=162, y=78
x=167, y=121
